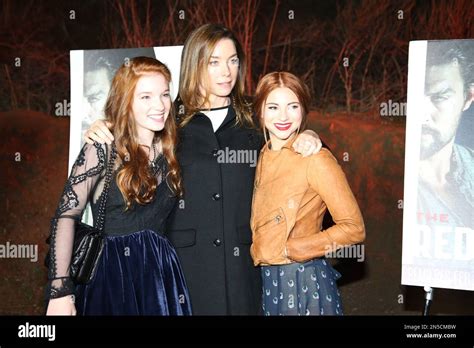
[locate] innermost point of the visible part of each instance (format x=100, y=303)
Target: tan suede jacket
x=290, y=198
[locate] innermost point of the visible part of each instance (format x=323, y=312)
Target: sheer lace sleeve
x=88, y=169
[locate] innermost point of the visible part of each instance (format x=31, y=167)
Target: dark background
x=308, y=38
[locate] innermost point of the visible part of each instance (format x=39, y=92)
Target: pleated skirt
x=301, y=289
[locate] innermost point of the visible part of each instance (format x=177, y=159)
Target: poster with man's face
x=92, y=72
x=438, y=221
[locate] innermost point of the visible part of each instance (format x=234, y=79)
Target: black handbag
x=89, y=240
x=88, y=245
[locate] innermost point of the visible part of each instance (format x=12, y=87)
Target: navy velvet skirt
x=138, y=274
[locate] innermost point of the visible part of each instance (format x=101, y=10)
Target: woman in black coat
x=219, y=146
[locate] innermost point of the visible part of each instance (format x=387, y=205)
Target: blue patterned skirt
x=138, y=274
x=301, y=289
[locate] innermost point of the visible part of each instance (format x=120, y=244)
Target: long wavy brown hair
x=197, y=52
x=134, y=179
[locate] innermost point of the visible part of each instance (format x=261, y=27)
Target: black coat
x=210, y=226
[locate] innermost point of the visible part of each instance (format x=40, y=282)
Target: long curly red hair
x=134, y=179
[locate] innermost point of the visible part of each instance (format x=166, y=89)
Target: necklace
x=152, y=162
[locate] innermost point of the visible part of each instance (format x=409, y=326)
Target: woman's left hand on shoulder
x=307, y=143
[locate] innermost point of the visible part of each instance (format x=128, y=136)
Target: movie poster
x=438, y=221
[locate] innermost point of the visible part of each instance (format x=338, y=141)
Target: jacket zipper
x=277, y=219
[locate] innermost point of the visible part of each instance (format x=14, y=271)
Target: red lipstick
x=282, y=126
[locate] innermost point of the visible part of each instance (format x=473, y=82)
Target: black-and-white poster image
x=438, y=222
x=92, y=72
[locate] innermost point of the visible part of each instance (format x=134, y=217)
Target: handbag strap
x=107, y=180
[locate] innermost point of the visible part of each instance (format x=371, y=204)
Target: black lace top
x=86, y=184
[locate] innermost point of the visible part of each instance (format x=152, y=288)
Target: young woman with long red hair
x=138, y=272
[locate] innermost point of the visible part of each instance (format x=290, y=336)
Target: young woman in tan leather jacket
x=291, y=196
